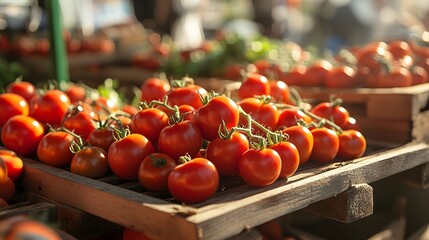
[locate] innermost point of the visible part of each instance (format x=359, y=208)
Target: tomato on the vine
x=193, y=181
x=7, y=190
x=154, y=170
x=352, y=145
x=316, y=73
x=91, y=162
x=279, y=91
x=341, y=77
x=295, y=75
x=180, y=139
x=51, y=107
x=76, y=93
x=333, y=112
x=289, y=117
x=101, y=137
x=326, y=145
x=209, y=117
x=225, y=154
x=260, y=168
x=419, y=75
x=265, y=113
x=80, y=122
x=190, y=95
x=290, y=158
x=13, y=163
x=22, y=134
x=154, y=89
x=125, y=155
x=254, y=85
x=396, y=77
x=12, y=104
x=25, y=89
x=149, y=123
x=54, y=149
x=303, y=140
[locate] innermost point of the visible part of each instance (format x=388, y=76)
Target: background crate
x=386, y=114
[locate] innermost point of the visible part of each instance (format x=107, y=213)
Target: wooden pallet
x=235, y=208
x=385, y=114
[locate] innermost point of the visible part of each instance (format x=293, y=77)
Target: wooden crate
x=386, y=114
x=234, y=209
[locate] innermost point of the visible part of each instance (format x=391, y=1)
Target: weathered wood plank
x=421, y=234
x=415, y=177
x=353, y=204
x=227, y=213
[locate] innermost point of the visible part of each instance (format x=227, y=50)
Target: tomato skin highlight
x=25, y=89
x=90, y=162
x=326, y=145
x=54, y=149
x=352, y=145
x=126, y=155
x=260, y=168
x=254, y=84
x=154, y=171
x=194, y=181
x=225, y=154
x=22, y=135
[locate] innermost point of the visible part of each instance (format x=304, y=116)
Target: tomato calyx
x=184, y=82
x=158, y=162
x=184, y=159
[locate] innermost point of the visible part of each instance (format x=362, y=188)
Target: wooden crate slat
x=351, y=205
x=415, y=177
x=226, y=214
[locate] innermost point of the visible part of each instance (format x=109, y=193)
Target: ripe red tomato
x=7, y=190
x=154, y=89
x=194, y=181
x=288, y=117
x=225, y=154
x=303, y=140
x=279, y=91
x=180, y=139
x=326, y=145
x=81, y=123
x=260, y=168
x=295, y=75
x=369, y=56
x=54, y=149
x=399, y=49
x=131, y=234
x=22, y=135
x=126, y=155
x=352, y=145
x=333, y=112
x=233, y=71
x=209, y=117
x=101, y=137
x=3, y=171
x=341, y=77
x=51, y=107
x=290, y=158
x=75, y=93
x=130, y=109
x=154, y=171
x=11, y=105
x=187, y=112
x=352, y=123
x=25, y=89
x=396, y=77
x=90, y=162
x=13, y=163
x=316, y=73
x=254, y=84
x=266, y=114
x=190, y=95
x=419, y=75
x=149, y=123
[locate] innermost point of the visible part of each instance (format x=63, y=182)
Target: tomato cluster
x=182, y=138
